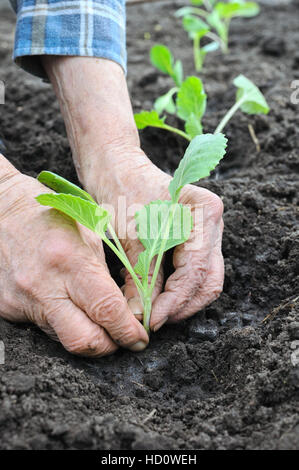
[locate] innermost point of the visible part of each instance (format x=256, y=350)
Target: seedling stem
x=177, y=131
x=230, y=114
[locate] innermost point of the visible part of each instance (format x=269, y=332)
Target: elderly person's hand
x=199, y=269
x=110, y=164
x=53, y=273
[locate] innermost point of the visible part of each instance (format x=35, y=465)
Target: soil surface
x=225, y=379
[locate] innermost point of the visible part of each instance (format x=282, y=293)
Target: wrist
x=106, y=163
x=128, y=181
x=96, y=107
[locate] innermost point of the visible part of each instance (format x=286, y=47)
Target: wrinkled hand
x=199, y=268
x=53, y=273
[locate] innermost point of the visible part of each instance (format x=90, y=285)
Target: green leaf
x=234, y=9
x=211, y=47
x=61, y=185
x=165, y=102
x=160, y=222
x=148, y=118
x=201, y=157
x=195, y=26
x=215, y=22
x=193, y=126
x=254, y=101
x=191, y=99
x=178, y=73
x=162, y=59
x=185, y=11
x=85, y=212
x=201, y=52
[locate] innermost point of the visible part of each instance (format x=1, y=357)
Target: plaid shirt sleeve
x=93, y=28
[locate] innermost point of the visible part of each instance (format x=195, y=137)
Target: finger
x=95, y=243
x=93, y=290
x=180, y=287
x=49, y=331
x=192, y=268
x=208, y=293
x=77, y=333
x=135, y=304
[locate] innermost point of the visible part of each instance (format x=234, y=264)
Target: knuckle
x=49, y=331
x=200, y=268
x=195, y=276
x=110, y=312
x=215, y=205
x=107, y=307
x=89, y=346
x=57, y=249
x=8, y=301
x=25, y=283
x=212, y=295
x=129, y=280
x=127, y=336
x=11, y=309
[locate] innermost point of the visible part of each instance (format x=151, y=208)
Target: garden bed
x=224, y=379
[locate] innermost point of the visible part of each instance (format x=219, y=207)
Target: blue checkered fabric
x=90, y=28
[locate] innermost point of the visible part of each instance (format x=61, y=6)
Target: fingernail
x=140, y=346
x=158, y=325
x=135, y=306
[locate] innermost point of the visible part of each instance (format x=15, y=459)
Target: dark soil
x=224, y=379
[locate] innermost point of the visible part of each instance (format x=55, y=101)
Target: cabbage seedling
x=197, y=29
x=218, y=16
x=160, y=225
x=162, y=58
x=191, y=105
x=248, y=98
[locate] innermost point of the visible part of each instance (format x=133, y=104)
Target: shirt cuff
x=89, y=28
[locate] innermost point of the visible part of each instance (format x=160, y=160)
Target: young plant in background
x=160, y=225
x=198, y=29
x=162, y=58
x=217, y=16
x=190, y=106
x=249, y=99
